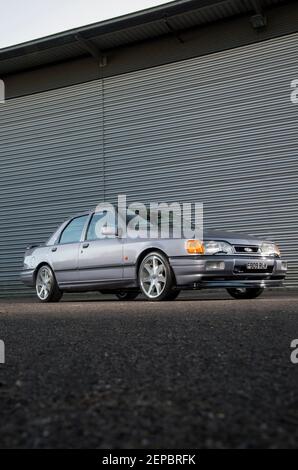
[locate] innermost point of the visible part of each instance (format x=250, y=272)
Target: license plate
x=256, y=265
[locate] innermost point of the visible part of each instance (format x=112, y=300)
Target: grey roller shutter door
x=220, y=129
x=51, y=167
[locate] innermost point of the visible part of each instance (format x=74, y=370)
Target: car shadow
x=142, y=300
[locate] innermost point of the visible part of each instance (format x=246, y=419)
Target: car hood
x=232, y=237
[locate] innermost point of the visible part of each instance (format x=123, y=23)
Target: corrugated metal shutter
x=220, y=129
x=51, y=167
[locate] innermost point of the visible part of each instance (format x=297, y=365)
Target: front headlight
x=214, y=248
x=270, y=249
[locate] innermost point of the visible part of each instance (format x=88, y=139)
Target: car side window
x=94, y=226
x=73, y=231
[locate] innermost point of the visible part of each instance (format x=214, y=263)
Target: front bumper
x=27, y=277
x=192, y=271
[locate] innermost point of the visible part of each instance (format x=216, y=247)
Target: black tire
x=53, y=293
x=126, y=295
x=166, y=285
x=174, y=294
x=248, y=293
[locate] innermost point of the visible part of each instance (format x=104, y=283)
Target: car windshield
x=163, y=226
x=144, y=224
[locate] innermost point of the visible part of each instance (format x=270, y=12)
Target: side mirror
x=109, y=231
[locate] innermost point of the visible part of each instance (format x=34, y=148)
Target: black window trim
x=87, y=215
x=88, y=226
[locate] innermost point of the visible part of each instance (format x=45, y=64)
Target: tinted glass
x=92, y=233
x=72, y=233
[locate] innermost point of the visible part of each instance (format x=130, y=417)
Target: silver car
x=75, y=259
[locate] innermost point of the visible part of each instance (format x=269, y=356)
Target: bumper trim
x=267, y=283
x=27, y=277
x=192, y=272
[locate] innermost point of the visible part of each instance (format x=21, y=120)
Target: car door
x=65, y=253
x=100, y=259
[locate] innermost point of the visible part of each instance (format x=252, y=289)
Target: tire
x=126, y=295
x=246, y=293
x=173, y=294
x=47, y=289
x=155, y=276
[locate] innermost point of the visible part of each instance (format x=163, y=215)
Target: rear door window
x=73, y=231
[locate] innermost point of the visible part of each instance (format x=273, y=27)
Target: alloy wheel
x=44, y=283
x=153, y=276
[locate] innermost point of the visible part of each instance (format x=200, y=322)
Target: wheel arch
x=146, y=252
x=42, y=263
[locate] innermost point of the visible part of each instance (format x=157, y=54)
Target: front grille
x=246, y=249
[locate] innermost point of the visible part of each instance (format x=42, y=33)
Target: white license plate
x=256, y=265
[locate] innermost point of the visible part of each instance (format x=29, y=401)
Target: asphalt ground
x=205, y=371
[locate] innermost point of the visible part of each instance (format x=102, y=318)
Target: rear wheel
x=156, y=278
x=246, y=293
x=47, y=289
x=125, y=295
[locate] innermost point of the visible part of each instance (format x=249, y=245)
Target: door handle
x=54, y=249
x=85, y=245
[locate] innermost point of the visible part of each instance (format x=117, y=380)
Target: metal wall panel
x=220, y=129
x=51, y=166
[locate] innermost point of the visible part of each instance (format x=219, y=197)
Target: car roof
x=81, y=214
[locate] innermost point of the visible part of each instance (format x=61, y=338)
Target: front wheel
x=155, y=277
x=246, y=293
x=173, y=294
x=47, y=289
